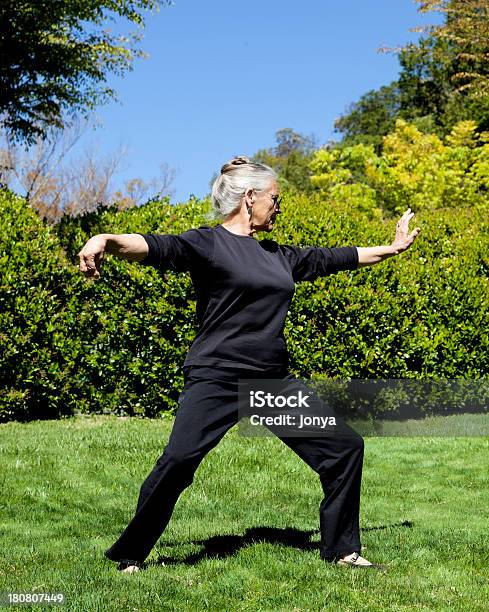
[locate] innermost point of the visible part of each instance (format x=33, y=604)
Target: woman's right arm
x=126, y=246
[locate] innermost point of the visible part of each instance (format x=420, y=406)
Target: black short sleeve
x=309, y=263
x=179, y=252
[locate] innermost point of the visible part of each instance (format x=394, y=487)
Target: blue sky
x=223, y=77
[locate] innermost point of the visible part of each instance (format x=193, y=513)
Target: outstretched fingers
x=404, y=238
x=406, y=217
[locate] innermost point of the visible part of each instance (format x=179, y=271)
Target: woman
x=244, y=288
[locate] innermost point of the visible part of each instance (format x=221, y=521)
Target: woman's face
x=265, y=207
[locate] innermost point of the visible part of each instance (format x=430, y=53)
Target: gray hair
x=236, y=176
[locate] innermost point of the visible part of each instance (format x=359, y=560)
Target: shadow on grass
x=222, y=546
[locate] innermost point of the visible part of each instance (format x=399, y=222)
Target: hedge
x=117, y=345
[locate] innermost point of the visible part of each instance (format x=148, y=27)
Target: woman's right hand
x=92, y=255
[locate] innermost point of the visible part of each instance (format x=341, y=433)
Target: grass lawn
x=245, y=535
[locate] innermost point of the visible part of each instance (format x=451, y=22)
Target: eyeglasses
x=277, y=200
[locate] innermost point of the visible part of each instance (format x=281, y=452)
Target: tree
x=429, y=92
x=54, y=186
x=430, y=81
x=414, y=169
x=373, y=116
x=289, y=141
x=290, y=159
x=56, y=57
x=466, y=27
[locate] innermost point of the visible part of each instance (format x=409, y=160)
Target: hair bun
x=236, y=161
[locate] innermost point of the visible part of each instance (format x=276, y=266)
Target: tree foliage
x=431, y=92
x=467, y=29
x=414, y=169
x=290, y=159
x=373, y=116
x=56, y=57
x=55, y=185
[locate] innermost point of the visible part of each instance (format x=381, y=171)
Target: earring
x=249, y=210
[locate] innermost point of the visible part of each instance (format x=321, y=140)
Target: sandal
x=128, y=568
x=355, y=560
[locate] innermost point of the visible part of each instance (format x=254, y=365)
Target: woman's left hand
x=404, y=239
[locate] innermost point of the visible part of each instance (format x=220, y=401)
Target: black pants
x=208, y=408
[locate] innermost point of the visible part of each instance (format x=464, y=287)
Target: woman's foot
x=355, y=560
x=128, y=568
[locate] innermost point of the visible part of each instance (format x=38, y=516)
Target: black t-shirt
x=243, y=289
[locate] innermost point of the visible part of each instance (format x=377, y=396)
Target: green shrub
x=117, y=345
x=421, y=314
x=36, y=331
x=135, y=324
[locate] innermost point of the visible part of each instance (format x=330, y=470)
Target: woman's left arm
x=368, y=256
